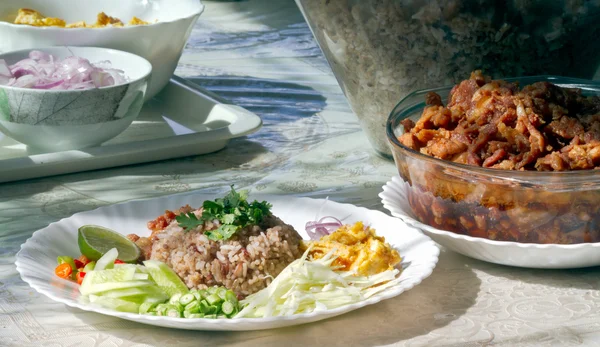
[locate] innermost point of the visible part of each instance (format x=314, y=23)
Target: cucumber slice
x=144, y=299
x=115, y=304
x=165, y=278
x=93, y=278
x=107, y=261
x=104, y=287
x=147, y=307
x=140, y=276
x=150, y=293
x=138, y=268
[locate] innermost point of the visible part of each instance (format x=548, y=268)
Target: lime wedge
x=165, y=278
x=94, y=241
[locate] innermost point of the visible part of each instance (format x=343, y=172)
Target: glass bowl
x=521, y=206
x=382, y=50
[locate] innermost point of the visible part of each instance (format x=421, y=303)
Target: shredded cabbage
x=309, y=286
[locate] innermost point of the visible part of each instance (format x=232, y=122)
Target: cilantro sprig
x=233, y=211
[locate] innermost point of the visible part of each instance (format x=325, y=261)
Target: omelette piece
x=80, y=24
x=137, y=21
x=31, y=17
x=34, y=18
x=358, y=249
x=104, y=20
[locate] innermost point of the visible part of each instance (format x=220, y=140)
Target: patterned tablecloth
x=260, y=54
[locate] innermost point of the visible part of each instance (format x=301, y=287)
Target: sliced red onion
x=27, y=81
x=39, y=55
x=320, y=228
x=44, y=71
x=49, y=85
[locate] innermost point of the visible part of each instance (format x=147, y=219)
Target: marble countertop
x=260, y=55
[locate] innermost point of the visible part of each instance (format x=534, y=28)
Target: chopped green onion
x=192, y=315
x=172, y=311
x=210, y=316
x=175, y=298
x=222, y=292
x=192, y=307
x=213, y=299
x=186, y=299
x=196, y=294
x=204, y=307
x=161, y=309
x=178, y=306
x=231, y=297
x=212, y=290
x=227, y=308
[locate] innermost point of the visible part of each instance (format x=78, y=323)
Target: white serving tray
x=182, y=120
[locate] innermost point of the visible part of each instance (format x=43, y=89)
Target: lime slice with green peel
x=165, y=278
x=94, y=241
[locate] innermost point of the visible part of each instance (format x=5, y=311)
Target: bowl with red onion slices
x=160, y=34
x=63, y=98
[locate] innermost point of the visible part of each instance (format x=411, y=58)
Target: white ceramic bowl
x=528, y=255
x=55, y=120
x=160, y=43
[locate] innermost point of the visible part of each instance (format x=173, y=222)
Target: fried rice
x=245, y=263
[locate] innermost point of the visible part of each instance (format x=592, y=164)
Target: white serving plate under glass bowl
x=37, y=258
x=528, y=255
x=182, y=120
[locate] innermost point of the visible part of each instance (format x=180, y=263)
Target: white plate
x=183, y=120
x=529, y=255
x=37, y=258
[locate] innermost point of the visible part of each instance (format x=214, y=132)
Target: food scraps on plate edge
x=44, y=71
x=27, y=16
x=230, y=258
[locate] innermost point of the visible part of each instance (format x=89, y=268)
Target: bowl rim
x=199, y=10
x=141, y=60
x=401, y=111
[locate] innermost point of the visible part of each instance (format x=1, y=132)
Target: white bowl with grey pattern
x=56, y=120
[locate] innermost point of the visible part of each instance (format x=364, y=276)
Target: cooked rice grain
x=246, y=263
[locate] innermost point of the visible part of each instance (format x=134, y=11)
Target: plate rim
x=431, y=263
x=392, y=206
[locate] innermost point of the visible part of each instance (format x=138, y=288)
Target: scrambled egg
x=358, y=249
x=32, y=17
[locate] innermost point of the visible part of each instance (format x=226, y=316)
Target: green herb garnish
x=233, y=212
